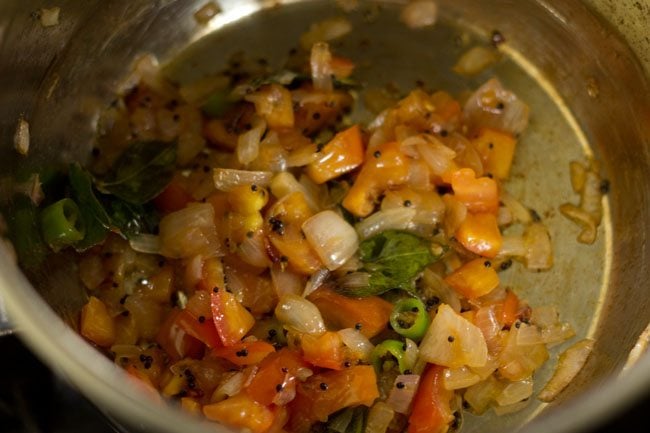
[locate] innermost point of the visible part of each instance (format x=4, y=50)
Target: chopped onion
x=193, y=271
x=480, y=396
x=225, y=179
x=544, y=316
x=379, y=418
x=528, y=335
x=325, y=31
x=512, y=246
x=490, y=367
x=321, y=67
x=511, y=408
x=495, y=107
x=476, y=60
x=21, y=137
x=539, y=250
x=515, y=392
x=146, y=243
x=487, y=322
x=354, y=280
x=331, y=237
x=436, y=286
x=519, y=212
x=455, y=214
x=591, y=198
x=437, y=156
x=583, y=219
x=578, y=176
x=190, y=231
x=411, y=354
x=302, y=156
x=207, y=12
x=286, y=282
x=299, y=314
x=248, y=143
x=285, y=183
x=229, y=387
x=50, y=16
x=401, y=397
x=458, y=378
x=358, y=343
x=31, y=188
x=570, y=363
x=252, y=250
x=467, y=345
x=517, y=362
x=419, y=13
x=315, y=281
x=557, y=333
x=391, y=219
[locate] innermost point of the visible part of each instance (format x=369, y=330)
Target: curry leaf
x=131, y=219
x=93, y=214
x=141, y=172
x=394, y=259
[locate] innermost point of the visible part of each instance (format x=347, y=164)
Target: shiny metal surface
x=59, y=78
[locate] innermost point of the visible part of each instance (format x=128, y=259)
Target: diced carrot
x=479, y=195
x=342, y=154
x=474, y=279
x=342, y=67
x=371, y=313
x=96, y=324
x=386, y=167
x=325, y=350
x=480, y=234
x=245, y=353
x=497, y=149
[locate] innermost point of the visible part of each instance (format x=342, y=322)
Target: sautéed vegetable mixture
x=267, y=264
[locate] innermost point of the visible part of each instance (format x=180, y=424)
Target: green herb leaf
x=394, y=259
x=131, y=219
x=94, y=216
x=141, y=172
x=25, y=232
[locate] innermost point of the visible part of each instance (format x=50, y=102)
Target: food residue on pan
x=256, y=257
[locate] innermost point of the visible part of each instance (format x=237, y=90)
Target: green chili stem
x=389, y=347
x=61, y=224
x=410, y=311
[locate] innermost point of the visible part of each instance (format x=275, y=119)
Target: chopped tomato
x=508, y=309
x=385, y=167
x=232, y=320
x=175, y=341
x=275, y=380
x=245, y=353
x=323, y=394
x=480, y=234
x=142, y=381
x=212, y=275
x=342, y=154
x=325, y=350
x=479, y=195
x=431, y=406
x=474, y=279
x=202, y=328
x=242, y=412
x=274, y=104
x=497, y=149
x=371, y=313
x=173, y=198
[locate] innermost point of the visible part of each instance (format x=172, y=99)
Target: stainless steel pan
x=583, y=67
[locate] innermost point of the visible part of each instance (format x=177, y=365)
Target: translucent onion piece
x=285, y=183
x=493, y=106
x=487, y=322
x=411, y=354
x=321, y=67
x=333, y=239
x=207, y=12
x=225, y=179
x=557, y=333
x=299, y=314
x=519, y=212
x=21, y=137
x=315, y=281
x=528, y=335
x=515, y=392
x=286, y=282
x=435, y=286
x=419, y=13
x=146, y=243
x=401, y=397
x=490, y=367
x=570, y=363
x=395, y=219
x=457, y=378
x=190, y=231
x=229, y=387
x=355, y=280
x=544, y=316
x=379, y=418
x=358, y=343
x=193, y=271
x=481, y=395
x=511, y=408
x=539, y=250
x=476, y=60
x=512, y=246
x=252, y=250
x=437, y=156
x=452, y=341
x=518, y=362
x=248, y=143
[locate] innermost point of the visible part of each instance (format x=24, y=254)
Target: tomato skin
x=177, y=342
x=245, y=353
x=275, y=379
x=230, y=317
x=480, y=195
x=323, y=394
x=344, y=153
x=431, y=410
x=241, y=411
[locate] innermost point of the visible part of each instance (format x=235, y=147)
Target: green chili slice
x=410, y=319
x=61, y=224
x=393, y=348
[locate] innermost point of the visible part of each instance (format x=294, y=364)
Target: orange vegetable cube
x=497, y=149
x=474, y=279
x=480, y=234
x=324, y=350
x=479, y=195
x=241, y=411
x=342, y=154
x=342, y=67
x=274, y=104
x=96, y=323
x=245, y=353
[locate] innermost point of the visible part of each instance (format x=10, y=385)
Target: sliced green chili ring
x=61, y=224
x=393, y=348
x=410, y=311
